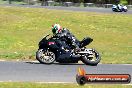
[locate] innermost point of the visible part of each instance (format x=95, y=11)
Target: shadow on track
x=30, y=62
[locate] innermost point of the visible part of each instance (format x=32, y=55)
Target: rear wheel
x=45, y=56
x=92, y=59
x=113, y=10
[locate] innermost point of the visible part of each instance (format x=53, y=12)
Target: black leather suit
x=68, y=37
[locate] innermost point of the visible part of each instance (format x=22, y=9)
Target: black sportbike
x=55, y=49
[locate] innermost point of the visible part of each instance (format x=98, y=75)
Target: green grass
x=46, y=85
x=22, y=28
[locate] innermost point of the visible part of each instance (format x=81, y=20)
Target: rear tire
x=45, y=56
x=88, y=61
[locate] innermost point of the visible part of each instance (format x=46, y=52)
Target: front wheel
x=92, y=58
x=125, y=10
x=45, y=56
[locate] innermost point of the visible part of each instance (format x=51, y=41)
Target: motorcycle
x=55, y=49
x=121, y=8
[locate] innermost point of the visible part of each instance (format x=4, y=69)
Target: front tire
x=93, y=61
x=125, y=10
x=45, y=56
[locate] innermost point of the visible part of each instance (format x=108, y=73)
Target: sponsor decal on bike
x=51, y=43
x=83, y=78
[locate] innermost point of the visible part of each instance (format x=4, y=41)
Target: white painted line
x=41, y=82
x=2, y=60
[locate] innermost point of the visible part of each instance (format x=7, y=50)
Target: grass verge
x=22, y=28
x=52, y=85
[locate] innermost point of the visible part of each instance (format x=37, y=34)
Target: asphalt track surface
x=36, y=72
x=11, y=71
x=82, y=9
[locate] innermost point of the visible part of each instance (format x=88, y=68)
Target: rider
x=60, y=32
x=117, y=4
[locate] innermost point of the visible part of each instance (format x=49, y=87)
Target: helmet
x=56, y=28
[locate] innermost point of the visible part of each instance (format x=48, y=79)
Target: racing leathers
x=68, y=37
